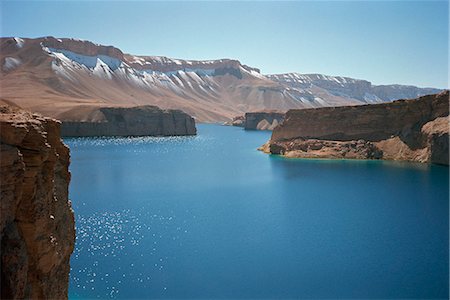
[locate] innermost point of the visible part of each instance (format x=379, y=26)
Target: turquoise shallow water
x=211, y=217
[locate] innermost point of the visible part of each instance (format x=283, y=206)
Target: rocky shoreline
x=411, y=130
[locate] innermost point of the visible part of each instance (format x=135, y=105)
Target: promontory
x=413, y=130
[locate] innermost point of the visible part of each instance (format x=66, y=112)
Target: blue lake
x=211, y=217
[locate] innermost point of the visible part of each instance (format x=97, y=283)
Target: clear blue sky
x=384, y=42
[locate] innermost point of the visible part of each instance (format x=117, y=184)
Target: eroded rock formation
x=415, y=130
x=237, y=121
x=132, y=121
x=37, y=222
x=262, y=120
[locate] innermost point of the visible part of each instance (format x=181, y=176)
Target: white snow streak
x=11, y=63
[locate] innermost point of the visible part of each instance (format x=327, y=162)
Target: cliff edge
x=37, y=222
x=130, y=121
x=415, y=130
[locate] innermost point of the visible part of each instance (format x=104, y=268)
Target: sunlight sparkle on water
x=109, y=238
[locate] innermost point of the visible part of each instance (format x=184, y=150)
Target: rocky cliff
x=132, y=121
x=262, y=120
x=37, y=222
x=85, y=48
x=414, y=130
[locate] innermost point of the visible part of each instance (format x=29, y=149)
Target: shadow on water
x=369, y=225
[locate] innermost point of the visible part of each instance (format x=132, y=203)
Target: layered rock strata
x=132, y=121
x=37, y=222
x=415, y=130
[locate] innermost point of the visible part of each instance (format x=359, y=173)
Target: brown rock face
x=133, y=121
x=414, y=130
x=436, y=132
x=371, y=122
x=82, y=47
x=37, y=222
x=262, y=120
x=311, y=148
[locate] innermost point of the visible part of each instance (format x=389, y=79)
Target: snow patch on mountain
x=19, y=42
x=163, y=60
x=61, y=69
x=296, y=78
x=11, y=63
x=201, y=72
x=320, y=101
x=371, y=98
x=360, y=90
x=252, y=72
x=201, y=78
x=90, y=62
x=138, y=60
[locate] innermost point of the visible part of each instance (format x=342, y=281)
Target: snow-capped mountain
x=346, y=87
x=68, y=78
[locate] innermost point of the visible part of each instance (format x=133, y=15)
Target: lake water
x=211, y=217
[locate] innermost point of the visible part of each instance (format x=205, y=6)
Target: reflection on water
x=210, y=217
x=110, y=243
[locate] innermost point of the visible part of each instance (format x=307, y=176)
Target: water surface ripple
x=211, y=217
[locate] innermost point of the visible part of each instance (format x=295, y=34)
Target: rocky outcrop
x=262, y=120
x=313, y=148
x=132, y=121
x=436, y=133
x=415, y=130
x=37, y=222
x=237, y=121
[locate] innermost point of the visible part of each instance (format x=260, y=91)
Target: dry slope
x=62, y=77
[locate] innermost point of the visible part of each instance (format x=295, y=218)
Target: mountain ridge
x=57, y=77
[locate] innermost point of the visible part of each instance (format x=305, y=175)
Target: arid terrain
x=71, y=80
